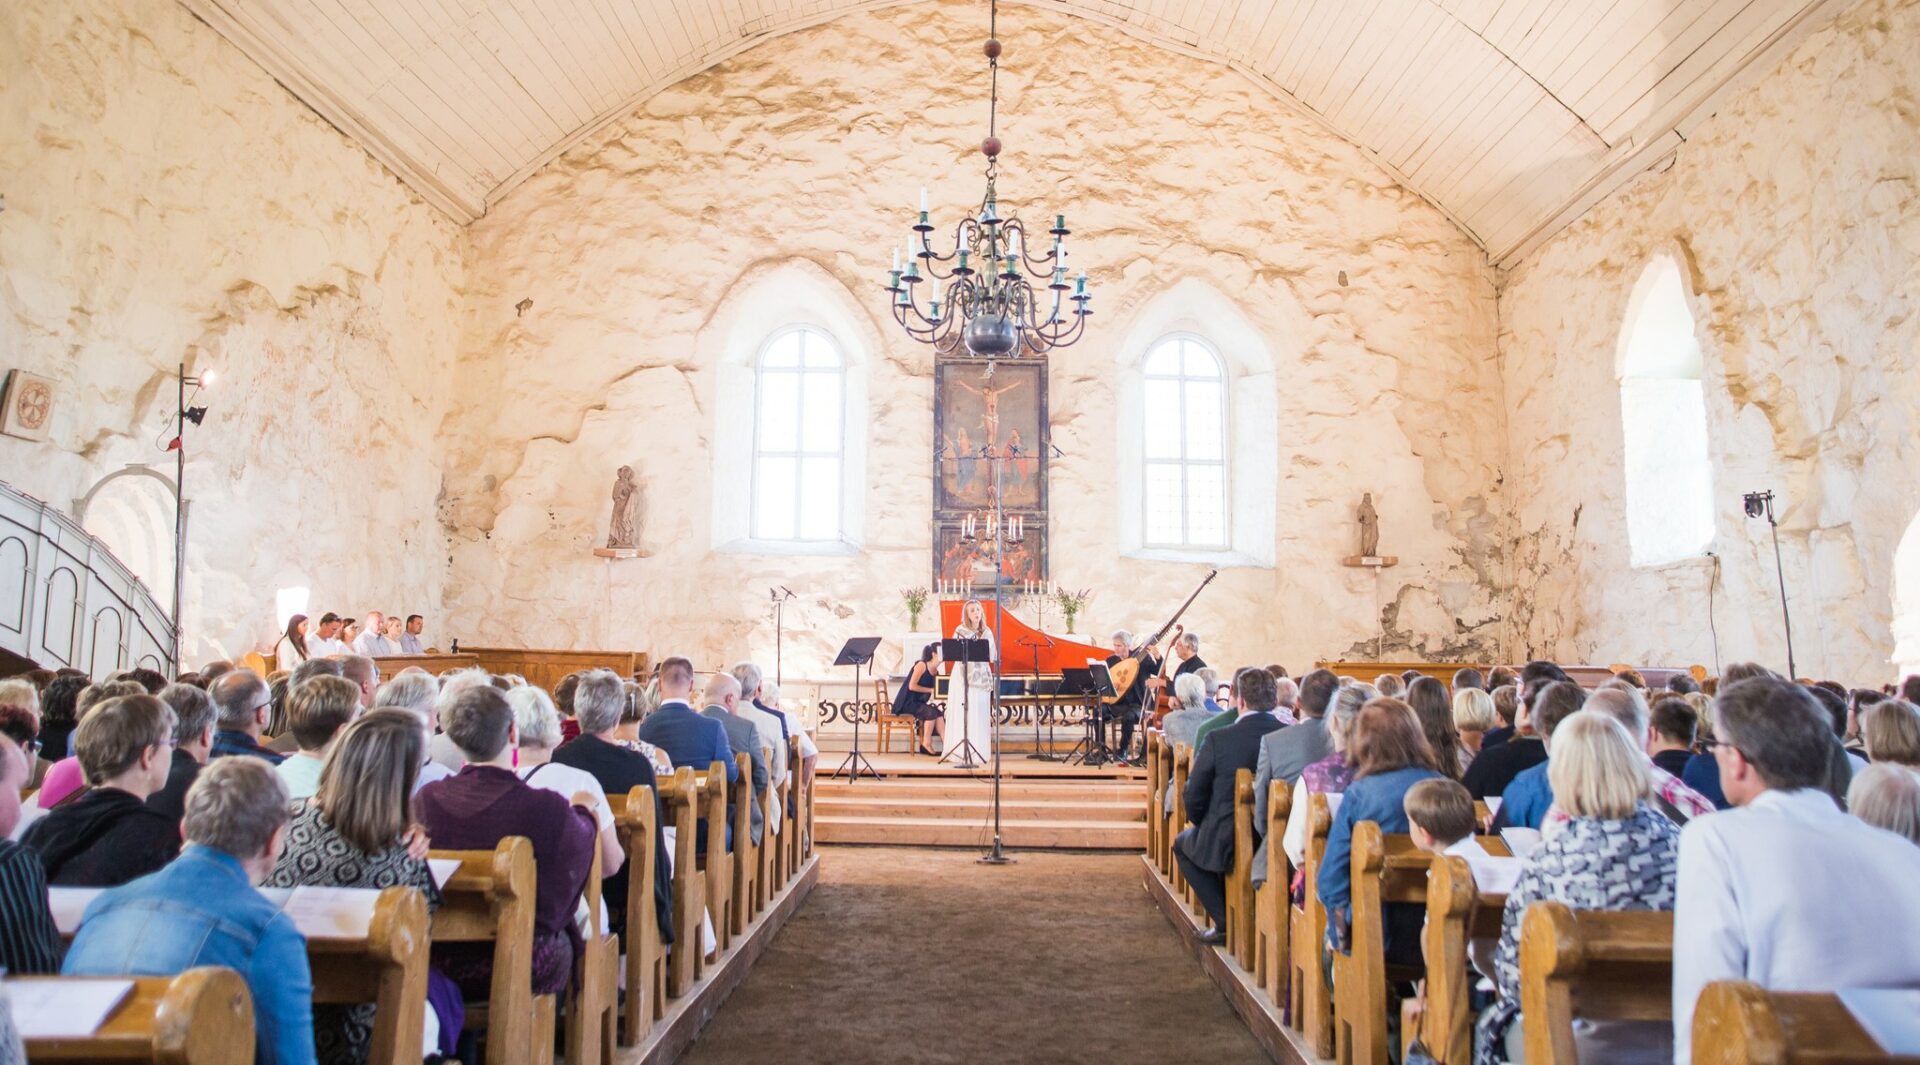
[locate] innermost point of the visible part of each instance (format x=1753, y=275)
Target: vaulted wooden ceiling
x=1512, y=116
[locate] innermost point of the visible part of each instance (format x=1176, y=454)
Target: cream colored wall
x=800, y=158
x=166, y=200
x=1796, y=213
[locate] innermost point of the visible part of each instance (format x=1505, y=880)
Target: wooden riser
x=922, y=832
x=955, y=791
x=977, y=809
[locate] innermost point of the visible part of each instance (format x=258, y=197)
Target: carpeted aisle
x=906, y=956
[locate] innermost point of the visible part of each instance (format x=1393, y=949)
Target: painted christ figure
x=990, y=400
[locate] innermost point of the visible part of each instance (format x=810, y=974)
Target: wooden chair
x=1594, y=965
x=1386, y=869
x=746, y=853
x=1457, y=914
x=1240, y=931
x=1738, y=1023
x=490, y=899
x=637, y=820
x=201, y=1017
x=1309, y=1000
x=689, y=886
x=593, y=1000
x=1272, y=903
x=885, y=720
x=387, y=967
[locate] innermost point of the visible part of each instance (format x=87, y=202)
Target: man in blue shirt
x=203, y=909
x=242, y=701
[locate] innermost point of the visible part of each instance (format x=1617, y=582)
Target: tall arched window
x=799, y=438
x=1185, y=453
x=1663, y=416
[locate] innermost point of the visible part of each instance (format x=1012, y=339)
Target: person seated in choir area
x=317, y=711
x=915, y=700
x=356, y=830
x=1784, y=889
x=325, y=640
x=690, y=739
x=722, y=697
x=372, y=640
x=1205, y=851
x=1615, y=851
x=31, y=943
x=203, y=909
x=193, y=720
x=485, y=803
x=243, y=703
x=349, y=632
x=411, y=642
x=109, y=835
x=291, y=650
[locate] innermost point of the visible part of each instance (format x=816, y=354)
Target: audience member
x=1835, y=704
x=441, y=748
x=1614, y=852
x=1390, y=754
x=1502, y=677
x=317, y=711
x=1328, y=776
x=487, y=802
x=1759, y=883
x=1473, y=718
x=410, y=642
x=1428, y=698
x=292, y=648
x=689, y=738
x=1506, y=707
x=772, y=729
x=1463, y=679
x=203, y=909
x=1500, y=762
x=1440, y=817
x=1389, y=685
x=193, y=724
x=29, y=942
x=356, y=830
x=212, y=670
x=1672, y=725
x=1890, y=731
x=242, y=700
x=538, y=726
x=1682, y=684
x=152, y=680
x=59, y=716
x=1190, y=698
x=722, y=697
x=1857, y=702
x=65, y=777
x=1887, y=796
x=360, y=671
x=1526, y=801
x=20, y=725
x=108, y=835
x=1205, y=851
x=415, y=691
x=769, y=701
x=1285, y=752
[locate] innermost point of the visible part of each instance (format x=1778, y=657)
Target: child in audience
x=1440, y=818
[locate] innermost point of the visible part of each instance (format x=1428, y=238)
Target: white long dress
x=970, y=700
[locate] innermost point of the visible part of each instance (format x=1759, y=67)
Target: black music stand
x=964, y=651
x=857, y=653
x=1040, y=754
x=1092, y=682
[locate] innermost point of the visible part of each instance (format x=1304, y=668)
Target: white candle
x=923, y=199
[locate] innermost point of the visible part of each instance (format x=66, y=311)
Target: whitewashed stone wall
x=801, y=158
x=165, y=201
x=1796, y=212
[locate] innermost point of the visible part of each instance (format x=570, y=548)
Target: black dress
x=915, y=704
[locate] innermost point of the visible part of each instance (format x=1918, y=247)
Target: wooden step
x=977, y=808
x=1035, y=835
x=936, y=790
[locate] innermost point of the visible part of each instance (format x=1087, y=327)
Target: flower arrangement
x=1071, y=603
x=916, y=600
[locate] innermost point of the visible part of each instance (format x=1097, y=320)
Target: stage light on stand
x=1758, y=505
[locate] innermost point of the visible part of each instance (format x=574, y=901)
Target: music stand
x=1040, y=754
x=964, y=651
x=857, y=653
x=1093, y=682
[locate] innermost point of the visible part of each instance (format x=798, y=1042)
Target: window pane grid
x=1184, y=446
x=798, y=440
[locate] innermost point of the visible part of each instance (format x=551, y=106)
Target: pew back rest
x=202, y=1016
x=1738, y=1023
x=1591, y=964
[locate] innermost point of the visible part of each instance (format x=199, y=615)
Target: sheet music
x=71, y=1008
x=1333, y=802
x=1521, y=841
x=443, y=870
x=1493, y=804
x=68, y=904
x=1493, y=875
x=331, y=913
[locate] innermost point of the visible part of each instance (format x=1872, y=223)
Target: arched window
x=1906, y=600
x=1663, y=416
x=1184, y=451
x=799, y=438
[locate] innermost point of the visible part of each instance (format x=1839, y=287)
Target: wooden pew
x=1156, y=796
x=1272, y=903
x=592, y=1017
x=689, y=886
x=387, y=967
x=746, y=854
x=1738, y=1023
x=636, y=819
x=1240, y=930
x=716, y=862
x=201, y=1017
x=490, y=899
x=1457, y=914
x=1177, y=820
x=1594, y=965
x=1386, y=869
x=1310, y=1004
x=766, y=872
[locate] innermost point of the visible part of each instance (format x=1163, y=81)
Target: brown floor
x=917, y=956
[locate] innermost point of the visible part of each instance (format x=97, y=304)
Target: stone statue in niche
x=1370, y=555
x=622, y=535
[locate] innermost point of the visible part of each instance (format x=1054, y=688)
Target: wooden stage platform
x=918, y=801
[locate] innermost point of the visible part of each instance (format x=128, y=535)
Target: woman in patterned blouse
x=1616, y=851
x=357, y=831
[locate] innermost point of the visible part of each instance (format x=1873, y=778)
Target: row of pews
x=1574, y=964
x=488, y=897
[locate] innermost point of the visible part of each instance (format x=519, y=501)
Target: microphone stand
x=1757, y=504
x=779, y=630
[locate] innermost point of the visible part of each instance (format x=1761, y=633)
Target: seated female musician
x=915, y=699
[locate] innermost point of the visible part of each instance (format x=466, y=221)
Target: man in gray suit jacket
x=1283, y=754
x=723, y=701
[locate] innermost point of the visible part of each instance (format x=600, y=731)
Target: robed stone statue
x=626, y=500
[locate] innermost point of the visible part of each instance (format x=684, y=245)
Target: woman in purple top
x=486, y=803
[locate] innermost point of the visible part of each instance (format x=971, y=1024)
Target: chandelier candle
x=1013, y=304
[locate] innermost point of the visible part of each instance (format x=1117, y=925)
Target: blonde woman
x=1891, y=729
x=969, y=721
x=1474, y=717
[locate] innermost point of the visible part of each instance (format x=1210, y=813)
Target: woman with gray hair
x=1887, y=796
x=415, y=691
x=1190, y=691
x=538, y=723
x=442, y=749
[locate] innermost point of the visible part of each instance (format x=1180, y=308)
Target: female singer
x=915, y=698
x=969, y=702
x=292, y=648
